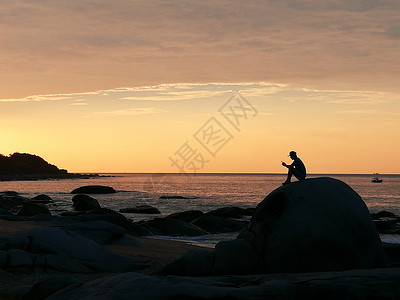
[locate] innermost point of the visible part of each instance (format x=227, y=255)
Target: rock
x=84, y=203
x=353, y=284
x=186, y=216
x=227, y=262
x=107, y=215
x=392, y=252
x=94, y=189
x=29, y=209
x=127, y=240
x=141, y=209
x=223, y=260
x=383, y=214
x=172, y=227
x=176, y=197
x=214, y=224
x=49, y=286
x=7, y=215
x=196, y=262
x=42, y=198
x=51, y=248
x=231, y=212
x=313, y=225
x=318, y=224
x=11, y=199
x=100, y=232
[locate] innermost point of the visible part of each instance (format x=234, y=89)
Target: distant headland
x=24, y=166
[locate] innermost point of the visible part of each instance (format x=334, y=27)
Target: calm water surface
x=203, y=191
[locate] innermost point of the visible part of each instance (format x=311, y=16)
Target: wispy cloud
x=162, y=92
x=369, y=112
x=127, y=112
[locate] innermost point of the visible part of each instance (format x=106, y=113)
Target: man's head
x=292, y=154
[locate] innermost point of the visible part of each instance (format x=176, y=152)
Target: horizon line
x=235, y=173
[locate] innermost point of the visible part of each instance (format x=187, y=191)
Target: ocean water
x=203, y=192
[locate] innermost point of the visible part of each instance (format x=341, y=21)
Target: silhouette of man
x=296, y=168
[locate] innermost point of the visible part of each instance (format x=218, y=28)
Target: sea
x=172, y=193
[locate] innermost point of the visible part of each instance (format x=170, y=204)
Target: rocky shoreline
x=88, y=251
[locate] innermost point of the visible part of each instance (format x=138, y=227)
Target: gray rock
x=353, y=284
x=29, y=209
x=84, y=203
x=312, y=225
x=318, y=224
x=63, y=251
x=195, y=262
x=19, y=258
x=94, y=189
x=100, y=232
x=42, y=198
x=215, y=224
x=107, y=215
x=232, y=212
x=10, y=199
x=187, y=216
x=127, y=240
x=141, y=209
x=172, y=227
x=227, y=262
x=49, y=286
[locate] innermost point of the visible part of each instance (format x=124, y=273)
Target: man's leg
x=298, y=175
x=289, y=175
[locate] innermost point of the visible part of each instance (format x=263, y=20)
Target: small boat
x=376, y=180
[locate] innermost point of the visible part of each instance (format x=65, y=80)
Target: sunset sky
x=205, y=86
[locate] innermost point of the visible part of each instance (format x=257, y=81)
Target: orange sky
x=121, y=86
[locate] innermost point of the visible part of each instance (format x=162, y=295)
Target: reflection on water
x=204, y=191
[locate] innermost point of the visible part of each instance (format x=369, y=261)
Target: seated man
x=297, y=168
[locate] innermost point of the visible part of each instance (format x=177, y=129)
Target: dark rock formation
x=103, y=233
x=24, y=166
x=11, y=199
x=84, y=203
x=232, y=212
x=42, y=198
x=353, y=284
x=215, y=224
x=53, y=249
x=29, y=209
x=172, y=227
x=94, y=189
x=24, y=163
x=386, y=222
x=176, y=197
x=318, y=224
x=187, y=216
x=141, y=209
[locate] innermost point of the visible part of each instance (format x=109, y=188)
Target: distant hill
x=24, y=166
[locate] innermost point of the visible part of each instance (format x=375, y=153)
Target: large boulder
x=353, y=284
x=42, y=198
x=318, y=224
x=58, y=250
x=172, y=227
x=29, y=209
x=11, y=199
x=187, y=216
x=215, y=224
x=94, y=189
x=232, y=212
x=141, y=209
x=84, y=203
